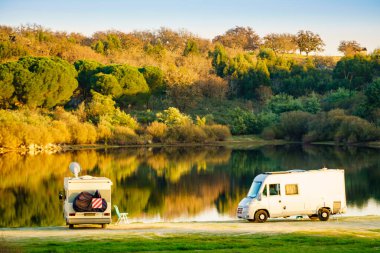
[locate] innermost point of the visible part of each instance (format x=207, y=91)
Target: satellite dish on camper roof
x=75, y=168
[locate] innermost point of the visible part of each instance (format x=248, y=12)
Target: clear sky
x=333, y=20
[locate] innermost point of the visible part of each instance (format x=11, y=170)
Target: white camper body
x=316, y=193
x=74, y=186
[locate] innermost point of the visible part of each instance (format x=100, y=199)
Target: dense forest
x=167, y=86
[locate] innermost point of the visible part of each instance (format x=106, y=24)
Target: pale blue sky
x=333, y=20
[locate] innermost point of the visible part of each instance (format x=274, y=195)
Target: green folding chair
x=122, y=217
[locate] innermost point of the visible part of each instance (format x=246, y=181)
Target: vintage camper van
x=316, y=193
x=94, y=195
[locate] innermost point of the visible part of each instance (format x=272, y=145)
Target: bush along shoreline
x=100, y=122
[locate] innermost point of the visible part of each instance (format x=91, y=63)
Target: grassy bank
x=294, y=242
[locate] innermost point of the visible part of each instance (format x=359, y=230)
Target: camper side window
x=291, y=189
x=264, y=194
x=274, y=189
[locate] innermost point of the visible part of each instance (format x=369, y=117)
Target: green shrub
x=237, y=121
x=354, y=129
x=337, y=126
x=284, y=103
x=244, y=122
x=173, y=117
x=343, y=99
x=99, y=105
x=311, y=103
x=144, y=117
x=121, y=118
x=293, y=125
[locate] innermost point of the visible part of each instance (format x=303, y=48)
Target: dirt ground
x=367, y=226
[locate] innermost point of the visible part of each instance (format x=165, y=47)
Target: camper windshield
x=254, y=189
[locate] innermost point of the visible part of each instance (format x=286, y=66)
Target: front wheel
x=323, y=214
x=71, y=226
x=261, y=216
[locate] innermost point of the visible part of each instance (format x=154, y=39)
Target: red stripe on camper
x=97, y=203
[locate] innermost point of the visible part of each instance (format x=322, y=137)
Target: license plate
x=89, y=214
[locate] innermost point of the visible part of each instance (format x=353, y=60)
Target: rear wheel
x=261, y=216
x=104, y=225
x=71, y=226
x=323, y=214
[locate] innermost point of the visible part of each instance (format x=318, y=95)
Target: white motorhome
x=73, y=186
x=316, y=193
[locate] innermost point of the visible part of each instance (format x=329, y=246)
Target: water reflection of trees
x=170, y=182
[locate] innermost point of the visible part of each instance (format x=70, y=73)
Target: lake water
x=175, y=184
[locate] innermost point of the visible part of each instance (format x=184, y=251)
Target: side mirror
x=61, y=196
x=259, y=197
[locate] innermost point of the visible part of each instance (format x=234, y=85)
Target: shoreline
x=234, y=141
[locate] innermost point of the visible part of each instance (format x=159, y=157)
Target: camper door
x=274, y=200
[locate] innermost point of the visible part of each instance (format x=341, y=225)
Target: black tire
x=71, y=226
x=313, y=217
x=323, y=214
x=104, y=225
x=261, y=216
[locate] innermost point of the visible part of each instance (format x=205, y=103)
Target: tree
x=6, y=85
x=154, y=77
x=372, y=93
x=220, y=60
x=191, y=48
x=262, y=71
x=353, y=72
x=40, y=81
x=311, y=103
x=308, y=42
x=281, y=43
x=349, y=48
x=99, y=47
x=86, y=70
x=106, y=84
x=172, y=40
x=129, y=78
x=106, y=42
x=239, y=37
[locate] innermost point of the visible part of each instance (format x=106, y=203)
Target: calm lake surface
x=175, y=184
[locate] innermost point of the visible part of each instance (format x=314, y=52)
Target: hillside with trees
x=167, y=86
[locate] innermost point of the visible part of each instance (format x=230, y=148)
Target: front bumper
x=88, y=220
x=242, y=212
